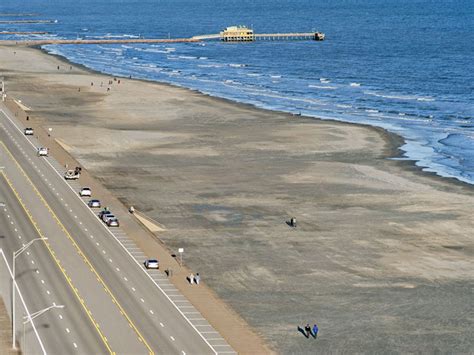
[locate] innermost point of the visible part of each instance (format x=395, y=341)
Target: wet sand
x=382, y=258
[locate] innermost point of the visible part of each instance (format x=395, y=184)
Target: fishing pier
x=245, y=34
x=230, y=34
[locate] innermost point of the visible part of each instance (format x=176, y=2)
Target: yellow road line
x=57, y=261
x=79, y=250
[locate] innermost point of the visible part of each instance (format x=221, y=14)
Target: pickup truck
x=73, y=174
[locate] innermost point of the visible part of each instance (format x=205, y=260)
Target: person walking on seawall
x=197, y=279
x=315, y=331
x=307, y=329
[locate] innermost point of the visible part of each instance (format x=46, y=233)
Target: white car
x=29, y=131
x=94, y=204
x=113, y=222
x=152, y=264
x=107, y=217
x=85, y=192
x=43, y=152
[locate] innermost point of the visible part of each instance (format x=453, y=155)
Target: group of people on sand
x=307, y=331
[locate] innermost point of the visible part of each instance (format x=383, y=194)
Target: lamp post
x=15, y=255
x=32, y=316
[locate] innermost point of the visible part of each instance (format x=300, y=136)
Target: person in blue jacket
x=315, y=331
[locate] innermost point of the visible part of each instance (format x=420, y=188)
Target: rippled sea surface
x=405, y=65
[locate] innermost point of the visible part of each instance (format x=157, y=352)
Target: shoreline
x=222, y=175
x=395, y=140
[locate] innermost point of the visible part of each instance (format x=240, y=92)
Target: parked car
x=43, y=152
x=152, y=264
x=94, y=204
x=73, y=174
x=113, y=222
x=107, y=217
x=85, y=192
x=104, y=212
x=29, y=131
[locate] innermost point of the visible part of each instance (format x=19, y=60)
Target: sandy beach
x=381, y=259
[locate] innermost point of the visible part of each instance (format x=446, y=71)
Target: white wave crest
x=322, y=87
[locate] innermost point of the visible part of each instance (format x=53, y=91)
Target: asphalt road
x=111, y=304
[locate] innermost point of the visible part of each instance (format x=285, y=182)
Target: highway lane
x=95, y=301
x=63, y=330
x=162, y=325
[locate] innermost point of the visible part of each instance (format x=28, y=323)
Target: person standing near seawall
x=315, y=331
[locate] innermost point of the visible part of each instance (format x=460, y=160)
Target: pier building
x=237, y=34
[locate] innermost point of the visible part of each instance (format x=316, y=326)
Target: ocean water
x=404, y=65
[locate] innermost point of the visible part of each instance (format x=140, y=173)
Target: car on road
x=94, y=204
x=43, y=152
x=73, y=174
x=29, y=131
x=152, y=264
x=85, y=192
x=107, y=217
x=104, y=212
x=113, y=222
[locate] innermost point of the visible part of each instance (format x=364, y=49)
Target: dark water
x=402, y=65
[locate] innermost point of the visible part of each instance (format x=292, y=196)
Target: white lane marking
x=141, y=299
x=27, y=253
x=117, y=269
x=42, y=281
x=162, y=325
x=33, y=262
x=75, y=345
x=172, y=338
x=133, y=289
x=86, y=229
x=47, y=291
x=60, y=316
x=125, y=278
x=182, y=352
x=67, y=330
x=151, y=312
x=110, y=260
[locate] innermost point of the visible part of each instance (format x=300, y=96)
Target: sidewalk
x=226, y=321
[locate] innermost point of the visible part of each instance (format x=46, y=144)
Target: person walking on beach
x=307, y=329
x=191, y=278
x=197, y=279
x=315, y=331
